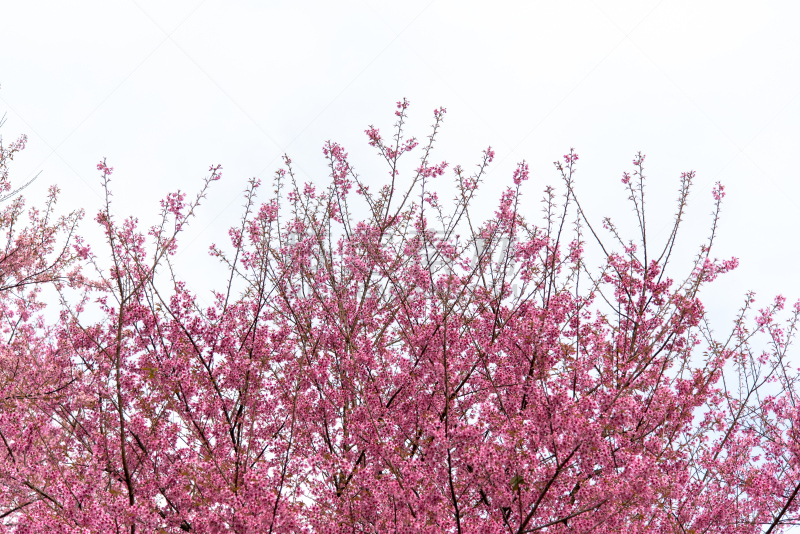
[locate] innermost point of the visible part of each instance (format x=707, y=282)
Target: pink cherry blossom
x=388, y=362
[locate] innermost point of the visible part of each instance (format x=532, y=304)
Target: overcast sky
x=163, y=89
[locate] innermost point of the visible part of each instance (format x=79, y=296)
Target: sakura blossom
x=381, y=360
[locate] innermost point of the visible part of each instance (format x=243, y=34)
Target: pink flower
x=521, y=173
x=718, y=192
x=102, y=167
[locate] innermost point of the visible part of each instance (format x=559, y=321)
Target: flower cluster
x=385, y=362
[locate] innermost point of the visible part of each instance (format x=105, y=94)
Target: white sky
x=164, y=89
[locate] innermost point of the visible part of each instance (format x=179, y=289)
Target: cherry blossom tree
x=38, y=247
x=381, y=360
